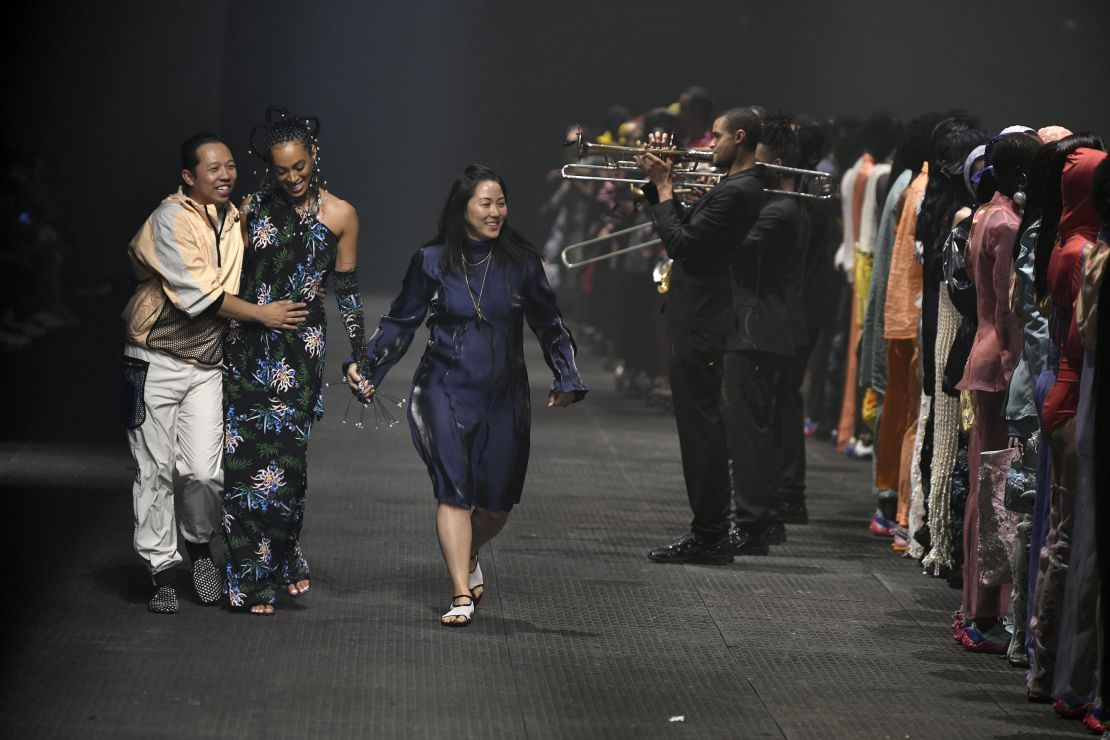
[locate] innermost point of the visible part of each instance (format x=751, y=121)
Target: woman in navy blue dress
x=469, y=412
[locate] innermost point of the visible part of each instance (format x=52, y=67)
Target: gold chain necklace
x=478, y=317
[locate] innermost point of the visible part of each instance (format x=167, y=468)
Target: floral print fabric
x=272, y=394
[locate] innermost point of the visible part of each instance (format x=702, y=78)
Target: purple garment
x=469, y=413
x=1041, y=507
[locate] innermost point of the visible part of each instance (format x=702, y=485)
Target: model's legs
x=485, y=525
x=1054, y=558
x=455, y=540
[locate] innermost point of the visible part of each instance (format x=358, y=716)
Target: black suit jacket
x=699, y=240
x=763, y=270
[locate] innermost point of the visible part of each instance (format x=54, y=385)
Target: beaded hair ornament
x=283, y=127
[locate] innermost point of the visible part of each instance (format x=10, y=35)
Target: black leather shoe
x=775, y=532
x=743, y=541
x=795, y=512
x=689, y=549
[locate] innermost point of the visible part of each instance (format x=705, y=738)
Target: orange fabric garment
x=909, y=439
x=900, y=406
x=902, y=309
x=847, y=428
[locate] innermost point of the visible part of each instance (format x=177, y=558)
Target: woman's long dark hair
x=1053, y=204
x=454, y=235
x=952, y=140
x=913, y=145
x=1037, y=191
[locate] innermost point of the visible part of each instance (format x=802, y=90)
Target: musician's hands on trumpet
x=658, y=171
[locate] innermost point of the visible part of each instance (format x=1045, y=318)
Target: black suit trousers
x=695, y=360
x=791, y=433
x=753, y=382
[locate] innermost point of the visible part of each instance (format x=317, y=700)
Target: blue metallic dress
x=469, y=412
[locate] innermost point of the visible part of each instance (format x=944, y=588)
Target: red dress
x=1078, y=226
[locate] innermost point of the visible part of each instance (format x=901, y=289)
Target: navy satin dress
x=469, y=411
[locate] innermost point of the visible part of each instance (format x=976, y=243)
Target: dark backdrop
x=410, y=93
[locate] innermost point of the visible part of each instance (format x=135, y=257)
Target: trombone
x=685, y=172
x=661, y=274
x=571, y=264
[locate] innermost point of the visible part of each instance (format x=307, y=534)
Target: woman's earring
x=1019, y=195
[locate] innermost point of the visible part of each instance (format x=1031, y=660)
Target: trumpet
x=623, y=171
x=685, y=171
x=586, y=148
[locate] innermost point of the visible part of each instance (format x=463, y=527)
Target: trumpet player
x=762, y=399
x=700, y=318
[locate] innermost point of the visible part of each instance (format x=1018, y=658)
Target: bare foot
x=266, y=610
x=300, y=588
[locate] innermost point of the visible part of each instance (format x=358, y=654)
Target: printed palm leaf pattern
x=273, y=383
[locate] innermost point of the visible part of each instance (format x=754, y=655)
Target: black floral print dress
x=273, y=393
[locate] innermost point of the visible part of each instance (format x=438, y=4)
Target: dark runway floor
x=578, y=636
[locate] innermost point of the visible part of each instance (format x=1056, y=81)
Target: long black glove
x=350, y=306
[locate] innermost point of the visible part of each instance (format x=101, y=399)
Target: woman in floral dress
x=297, y=234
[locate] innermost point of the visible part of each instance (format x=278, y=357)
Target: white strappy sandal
x=476, y=581
x=466, y=611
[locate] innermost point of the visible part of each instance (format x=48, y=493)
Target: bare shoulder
x=337, y=212
x=960, y=215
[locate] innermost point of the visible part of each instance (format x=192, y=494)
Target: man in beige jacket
x=187, y=258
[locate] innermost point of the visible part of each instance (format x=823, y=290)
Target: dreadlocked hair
x=781, y=139
x=284, y=127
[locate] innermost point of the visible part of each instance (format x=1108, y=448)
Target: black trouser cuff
x=197, y=550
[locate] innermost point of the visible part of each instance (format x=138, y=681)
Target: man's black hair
x=189, y=148
x=745, y=118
